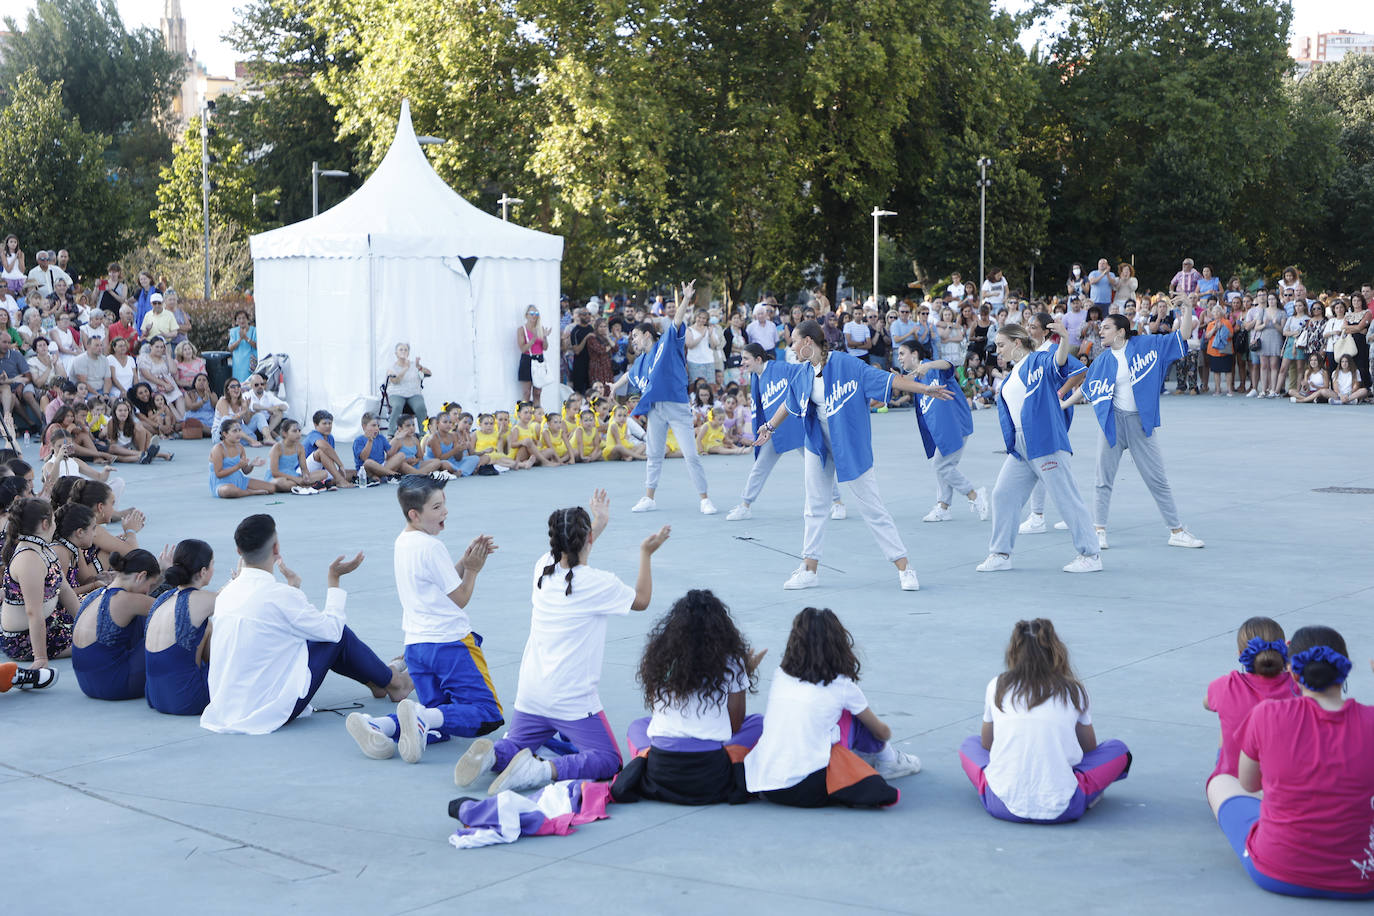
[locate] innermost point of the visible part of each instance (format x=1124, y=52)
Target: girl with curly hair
x=561, y=667
x=822, y=744
x=695, y=672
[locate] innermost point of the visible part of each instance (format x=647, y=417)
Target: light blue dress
x=238, y=478
x=242, y=351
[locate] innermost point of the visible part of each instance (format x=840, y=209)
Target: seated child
x=1264, y=656
x=442, y=652
x=695, y=671
x=561, y=667
x=822, y=744
x=1038, y=760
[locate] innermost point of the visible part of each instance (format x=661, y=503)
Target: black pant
x=1362, y=360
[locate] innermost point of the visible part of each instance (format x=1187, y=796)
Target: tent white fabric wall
x=338, y=292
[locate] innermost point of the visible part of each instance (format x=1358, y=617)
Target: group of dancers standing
x=829, y=393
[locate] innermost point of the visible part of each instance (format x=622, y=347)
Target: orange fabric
x=737, y=752
x=7, y=672
x=846, y=769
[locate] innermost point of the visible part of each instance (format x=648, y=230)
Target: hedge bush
x=212, y=319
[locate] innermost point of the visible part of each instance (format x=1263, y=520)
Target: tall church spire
x=173, y=27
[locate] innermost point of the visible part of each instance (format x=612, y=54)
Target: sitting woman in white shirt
x=695, y=671
x=1037, y=760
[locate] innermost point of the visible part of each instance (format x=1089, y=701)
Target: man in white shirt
x=762, y=331
x=857, y=334
x=272, y=647
x=955, y=290
x=46, y=274
x=265, y=402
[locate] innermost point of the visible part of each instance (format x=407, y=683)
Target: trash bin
x=218, y=368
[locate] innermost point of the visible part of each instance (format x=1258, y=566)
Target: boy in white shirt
x=442, y=653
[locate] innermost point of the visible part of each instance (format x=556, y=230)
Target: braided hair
x=568, y=533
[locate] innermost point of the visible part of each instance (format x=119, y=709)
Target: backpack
x=272, y=367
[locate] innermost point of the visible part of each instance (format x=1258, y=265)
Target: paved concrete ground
x=112, y=806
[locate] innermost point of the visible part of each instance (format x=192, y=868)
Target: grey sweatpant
x=948, y=478
x=863, y=492
x=1148, y=460
x=678, y=416
x=1037, y=498
x=763, y=466
x=1015, y=483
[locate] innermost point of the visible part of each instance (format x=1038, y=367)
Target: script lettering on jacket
x=1142, y=363
x=1033, y=380
x=837, y=398
x=772, y=392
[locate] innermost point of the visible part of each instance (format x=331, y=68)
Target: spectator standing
x=1101, y=285
x=114, y=292
x=1208, y=288
x=955, y=290
x=12, y=269
x=1076, y=285
x=1220, y=350
x=994, y=290
x=533, y=340
x=762, y=331
x=857, y=336
x=1124, y=289
x=577, y=335
x=143, y=298
x=1186, y=280
x=243, y=344
x=1359, y=318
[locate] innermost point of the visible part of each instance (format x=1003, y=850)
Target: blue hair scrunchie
x=1321, y=654
x=1258, y=644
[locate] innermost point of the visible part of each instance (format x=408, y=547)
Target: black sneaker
x=35, y=678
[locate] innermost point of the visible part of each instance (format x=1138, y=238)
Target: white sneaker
x=370, y=739
x=892, y=763
x=476, y=760
x=645, y=504
x=1102, y=538
x=708, y=507
x=1335, y=402
x=524, y=772
x=996, y=562
x=1061, y=525
x=907, y=579
x=1034, y=524
x=739, y=513
x=938, y=514
x=411, y=740
x=838, y=511
x=1184, y=538
x=980, y=503
x=1252, y=393
x=802, y=578
x=1293, y=399
x=1084, y=564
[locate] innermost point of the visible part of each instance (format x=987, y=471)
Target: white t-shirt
x=561, y=667
x=1123, y=395
x=800, y=724
x=1033, y=754
x=700, y=352
x=1014, y=391
x=956, y=290
x=691, y=719
x=425, y=575
x=859, y=331
x=995, y=293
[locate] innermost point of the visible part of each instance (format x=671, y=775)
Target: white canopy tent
x=404, y=258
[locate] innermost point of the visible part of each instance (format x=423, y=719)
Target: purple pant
x=1099, y=768
x=596, y=754
x=637, y=736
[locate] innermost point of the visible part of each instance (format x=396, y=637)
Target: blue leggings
x=1235, y=817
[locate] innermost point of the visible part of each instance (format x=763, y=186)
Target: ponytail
x=25, y=517
x=72, y=518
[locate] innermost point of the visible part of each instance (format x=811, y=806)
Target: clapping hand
x=476, y=554
x=290, y=576
x=341, y=567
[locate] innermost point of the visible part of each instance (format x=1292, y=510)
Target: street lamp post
x=877, y=215
x=506, y=202
x=1035, y=256
x=983, y=181
x=207, y=108
x=315, y=173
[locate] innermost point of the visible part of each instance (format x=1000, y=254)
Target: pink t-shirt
x=1316, y=825
x=1232, y=697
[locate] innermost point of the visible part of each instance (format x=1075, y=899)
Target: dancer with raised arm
x=1123, y=386
x=831, y=395
x=768, y=384
x=660, y=373
x=1035, y=427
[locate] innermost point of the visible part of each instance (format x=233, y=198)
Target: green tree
x=180, y=214
x=59, y=190
x=111, y=78
x=1150, y=119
